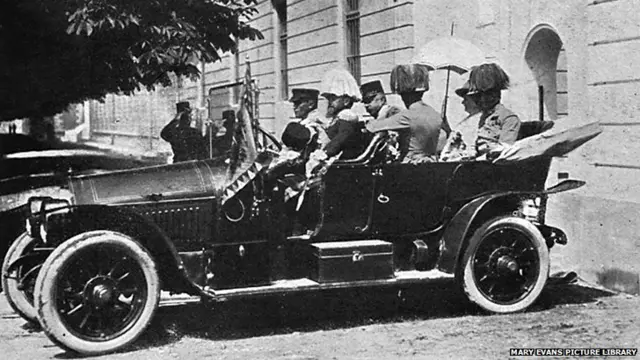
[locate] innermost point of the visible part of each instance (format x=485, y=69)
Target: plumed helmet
x=412, y=77
x=340, y=82
x=487, y=77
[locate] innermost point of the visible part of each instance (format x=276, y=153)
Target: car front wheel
x=505, y=265
x=97, y=292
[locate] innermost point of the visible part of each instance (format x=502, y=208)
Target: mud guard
x=458, y=230
x=35, y=254
x=172, y=269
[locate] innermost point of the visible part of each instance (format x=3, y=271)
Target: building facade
x=572, y=61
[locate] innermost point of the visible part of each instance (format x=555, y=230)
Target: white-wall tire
x=505, y=265
x=97, y=292
x=20, y=298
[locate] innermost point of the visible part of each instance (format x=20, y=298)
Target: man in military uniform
x=186, y=142
x=375, y=100
x=420, y=123
x=498, y=125
x=305, y=108
x=305, y=104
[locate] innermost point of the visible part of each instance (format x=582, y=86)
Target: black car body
x=198, y=228
x=29, y=168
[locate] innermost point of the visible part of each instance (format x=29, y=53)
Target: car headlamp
x=41, y=209
x=43, y=232
x=50, y=205
x=28, y=227
x=35, y=203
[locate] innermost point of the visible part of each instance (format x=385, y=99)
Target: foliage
x=54, y=53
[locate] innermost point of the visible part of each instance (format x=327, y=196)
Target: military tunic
x=340, y=132
x=421, y=123
x=500, y=125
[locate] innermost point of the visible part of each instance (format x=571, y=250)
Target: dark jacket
x=186, y=142
x=343, y=134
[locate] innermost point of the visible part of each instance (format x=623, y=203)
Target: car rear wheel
x=505, y=266
x=97, y=292
x=18, y=282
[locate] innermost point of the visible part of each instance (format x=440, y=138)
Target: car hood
x=174, y=181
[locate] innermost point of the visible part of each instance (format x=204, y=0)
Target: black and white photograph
x=319, y=179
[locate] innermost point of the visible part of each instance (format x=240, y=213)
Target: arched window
x=545, y=59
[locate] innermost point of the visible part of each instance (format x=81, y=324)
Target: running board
x=302, y=285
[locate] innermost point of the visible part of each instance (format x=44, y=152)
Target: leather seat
x=530, y=128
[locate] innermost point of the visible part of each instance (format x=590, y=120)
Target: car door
x=347, y=199
x=409, y=198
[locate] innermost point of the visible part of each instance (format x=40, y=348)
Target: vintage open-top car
x=90, y=268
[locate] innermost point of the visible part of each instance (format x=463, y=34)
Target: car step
x=301, y=285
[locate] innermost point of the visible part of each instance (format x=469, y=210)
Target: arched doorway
x=545, y=57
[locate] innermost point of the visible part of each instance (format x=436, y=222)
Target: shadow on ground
x=331, y=310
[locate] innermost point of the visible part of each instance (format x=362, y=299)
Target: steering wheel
x=273, y=143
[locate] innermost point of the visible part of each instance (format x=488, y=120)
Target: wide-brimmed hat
x=299, y=94
x=408, y=78
x=183, y=106
x=370, y=90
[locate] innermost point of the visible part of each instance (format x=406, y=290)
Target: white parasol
x=450, y=53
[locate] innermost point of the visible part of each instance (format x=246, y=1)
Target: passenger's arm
x=398, y=121
x=168, y=132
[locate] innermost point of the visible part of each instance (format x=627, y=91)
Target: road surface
x=419, y=322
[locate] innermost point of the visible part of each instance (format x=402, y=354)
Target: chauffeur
x=419, y=143
x=305, y=104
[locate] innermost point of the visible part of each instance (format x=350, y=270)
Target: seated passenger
x=375, y=101
x=498, y=125
x=343, y=127
x=461, y=144
x=305, y=108
x=419, y=124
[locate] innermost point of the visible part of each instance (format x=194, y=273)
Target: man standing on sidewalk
x=186, y=142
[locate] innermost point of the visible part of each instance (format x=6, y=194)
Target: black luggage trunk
x=352, y=261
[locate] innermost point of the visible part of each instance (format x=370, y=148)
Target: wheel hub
x=100, y=291
x=506, y=264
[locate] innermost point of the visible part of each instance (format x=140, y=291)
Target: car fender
x=466, y=220
x=84, y=218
